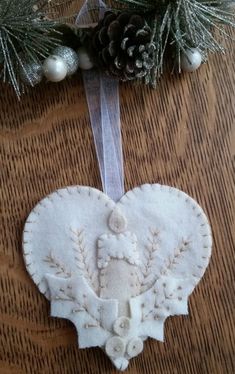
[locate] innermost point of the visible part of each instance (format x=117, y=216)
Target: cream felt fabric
x=117, y=270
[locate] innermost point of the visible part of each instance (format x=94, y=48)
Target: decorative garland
x=132, y=41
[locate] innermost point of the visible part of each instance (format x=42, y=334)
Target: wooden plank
x=183, y=135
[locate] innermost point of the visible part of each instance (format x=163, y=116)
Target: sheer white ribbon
x=102, y=95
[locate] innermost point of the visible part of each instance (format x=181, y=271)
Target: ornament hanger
x=103, y=102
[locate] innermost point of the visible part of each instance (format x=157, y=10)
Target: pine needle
x=184, y=24
x=28, y=32
x=25, y=36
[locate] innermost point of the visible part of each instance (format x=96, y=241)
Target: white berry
x=115, y=347
x=191, y=60
x=54, y=68
x=135, y=347
x=122, y=326
x=84, y=59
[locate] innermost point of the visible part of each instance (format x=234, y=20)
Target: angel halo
x=117, y=270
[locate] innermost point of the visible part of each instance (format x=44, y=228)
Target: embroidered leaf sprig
x=82, y=259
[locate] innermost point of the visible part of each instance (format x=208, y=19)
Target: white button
x=134, y=347
x=115, y=347
x=122, y=326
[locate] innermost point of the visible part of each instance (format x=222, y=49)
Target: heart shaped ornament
x=117, y=270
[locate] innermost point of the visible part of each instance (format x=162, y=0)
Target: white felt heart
x=117, y=270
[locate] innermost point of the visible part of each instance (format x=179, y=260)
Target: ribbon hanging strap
x=103, y=102
x=102, y=95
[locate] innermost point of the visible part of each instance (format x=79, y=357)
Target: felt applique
x=117, y=270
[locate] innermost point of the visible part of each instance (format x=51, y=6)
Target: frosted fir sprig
x=133, y=43
x=180, y=25
x=26, y=34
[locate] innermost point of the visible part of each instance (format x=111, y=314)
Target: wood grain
x=183, y=135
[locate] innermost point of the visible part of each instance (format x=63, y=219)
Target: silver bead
x=31, y=73
x=191, y=60
x=54, y=68
x=85, y=61
x=69, y=56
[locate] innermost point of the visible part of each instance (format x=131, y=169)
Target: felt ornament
x=116, y=264
x=117, y=270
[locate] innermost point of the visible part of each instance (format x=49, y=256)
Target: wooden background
x=183, y=135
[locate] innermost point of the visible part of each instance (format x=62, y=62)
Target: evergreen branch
x=181, y=25
x=26, y=35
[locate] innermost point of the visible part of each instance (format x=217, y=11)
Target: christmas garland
x=132, y=41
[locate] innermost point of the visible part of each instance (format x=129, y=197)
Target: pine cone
x=121, y=45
